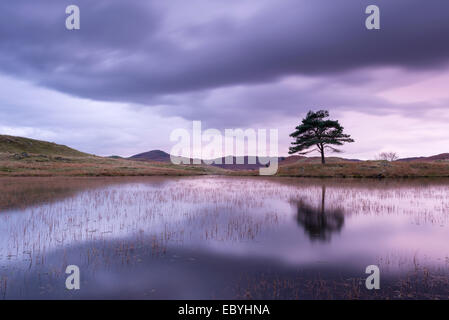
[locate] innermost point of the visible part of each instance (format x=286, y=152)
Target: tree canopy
x=317, y=133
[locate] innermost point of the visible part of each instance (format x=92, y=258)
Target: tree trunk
x=323, y=199
x=323, y=160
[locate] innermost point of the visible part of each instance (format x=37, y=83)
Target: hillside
x=23, y=146
x=438, y=157
x=154, y=155
x=28, y=157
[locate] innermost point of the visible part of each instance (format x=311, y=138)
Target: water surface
x=222, y=237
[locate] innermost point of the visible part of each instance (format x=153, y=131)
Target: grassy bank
x=367, y=169
x=361, y=169
x=14, y=165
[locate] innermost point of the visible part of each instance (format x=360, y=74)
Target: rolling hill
x=161, y=156
x=23, y=157
x=154, y=155
x=19, y=145
x=438, y=157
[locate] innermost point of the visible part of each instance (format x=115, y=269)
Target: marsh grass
x=417, y=284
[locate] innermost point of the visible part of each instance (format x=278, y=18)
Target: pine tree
x=318, y=133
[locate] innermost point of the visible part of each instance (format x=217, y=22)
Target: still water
x=223, y=237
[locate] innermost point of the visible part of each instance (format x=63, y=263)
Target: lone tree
x=318, y=133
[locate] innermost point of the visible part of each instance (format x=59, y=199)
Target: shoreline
x=93, y=166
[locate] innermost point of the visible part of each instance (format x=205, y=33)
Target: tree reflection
x=319, y=223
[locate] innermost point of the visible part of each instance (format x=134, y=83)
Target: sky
x=137, y=70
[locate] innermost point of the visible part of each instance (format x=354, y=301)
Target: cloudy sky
x=136, y=70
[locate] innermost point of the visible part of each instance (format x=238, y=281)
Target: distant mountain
x=438, y=157
x=302, y=159
x=247, y=166
x=442, y=156
x=291, y=159
x=161, y=156
x=154, y=155
x=234, y=166
x=24, y=146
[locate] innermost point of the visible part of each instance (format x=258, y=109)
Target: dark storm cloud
x=125, y=51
